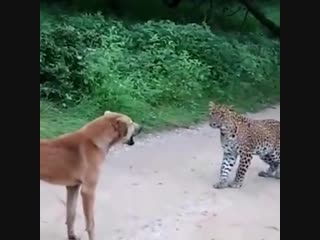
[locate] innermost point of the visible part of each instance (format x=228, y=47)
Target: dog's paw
x=73, y=237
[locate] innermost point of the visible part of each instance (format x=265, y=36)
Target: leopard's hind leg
x=273, y=160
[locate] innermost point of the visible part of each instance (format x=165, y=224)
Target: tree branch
x=258, y=14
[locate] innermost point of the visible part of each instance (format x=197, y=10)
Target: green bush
x=106, y=64
x=64, y=43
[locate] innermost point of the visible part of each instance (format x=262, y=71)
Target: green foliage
x=152, y=70
x=64, y=43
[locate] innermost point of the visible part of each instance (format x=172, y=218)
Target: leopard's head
x=220, y=116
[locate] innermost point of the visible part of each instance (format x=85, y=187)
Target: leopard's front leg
x=229, y=159
x=245, y=161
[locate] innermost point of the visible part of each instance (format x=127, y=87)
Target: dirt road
x=161, y=189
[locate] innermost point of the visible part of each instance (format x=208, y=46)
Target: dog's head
x=125, y=128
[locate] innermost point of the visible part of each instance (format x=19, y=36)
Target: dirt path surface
x=161, y=189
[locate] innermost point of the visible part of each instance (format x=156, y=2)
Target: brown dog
x=74, y=160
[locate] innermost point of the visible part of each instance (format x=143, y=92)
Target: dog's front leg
x=88, y=199
x=72, y=199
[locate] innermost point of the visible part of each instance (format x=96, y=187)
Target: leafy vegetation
x=160, y=72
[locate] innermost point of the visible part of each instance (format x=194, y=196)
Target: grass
x=137, y=69
x=55, y=121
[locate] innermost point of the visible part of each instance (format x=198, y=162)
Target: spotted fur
x=245, y=137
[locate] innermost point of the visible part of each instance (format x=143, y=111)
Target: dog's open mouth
x=130, y=142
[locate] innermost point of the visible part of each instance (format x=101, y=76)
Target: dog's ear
x=120, y=126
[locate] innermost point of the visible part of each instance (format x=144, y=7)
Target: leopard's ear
x=231, y=108
x=212, y=106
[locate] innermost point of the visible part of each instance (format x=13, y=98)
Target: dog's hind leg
x=88, y=199
x=72, y=199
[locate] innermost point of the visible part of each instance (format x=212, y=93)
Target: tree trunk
x=258, y=14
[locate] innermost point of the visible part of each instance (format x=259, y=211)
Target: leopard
x=244, y=137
